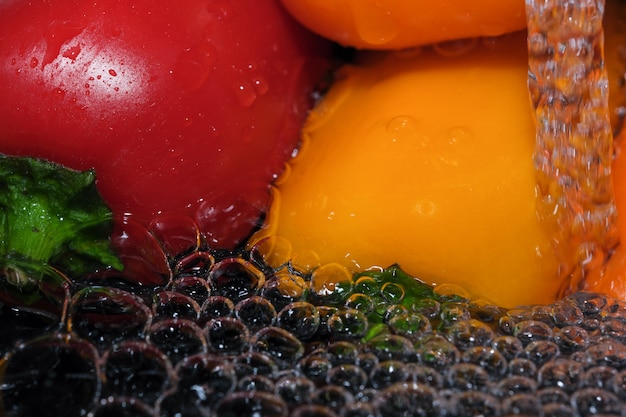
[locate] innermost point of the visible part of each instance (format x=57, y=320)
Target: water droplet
x=260, y=85
x=112, y=73
x=56, y=35
x=72, y=52
x=34, y=62
x=402, y=129
x=245, y=93
x=374, y=24
x=194, y=66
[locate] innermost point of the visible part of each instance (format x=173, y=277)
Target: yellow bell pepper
x=425, y=160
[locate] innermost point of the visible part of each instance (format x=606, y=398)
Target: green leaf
x=49, y=215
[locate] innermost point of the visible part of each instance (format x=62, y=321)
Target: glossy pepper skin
x=397, y=24
x=189, y=107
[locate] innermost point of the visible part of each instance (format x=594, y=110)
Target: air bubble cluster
x=230, y=335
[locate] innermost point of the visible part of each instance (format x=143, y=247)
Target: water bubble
x=193, y=287
x=236, y=279
x=342, y=352
x=315, y=367
x=367, y=285
x=144, y=261
x=515, y=384
x=522, y=404
x=528, y=331
x=178, y=234
x=51, y=375
x=348, y=323
x=255, y=363
x=452, y=311
x=122, y=407
x=304, y=262
x=313, y=410
x=392, y=292
x=331, y=396
x=428, y=307
x=330, y=281
x=239, y=404
x=274, y=251
x=387, y=373
x=522, y=367
x=488, y=358
x=294, y=390
x=610, y=353
x=542, y=351
x=466, y=376
x=255, y=383
x=469, y=333
x=599, y=377
x=614, y=328
x=187, y=403
x=358, y=409
x=596, y=401
x=407, y=398
x=566, y=313
x=451, y=292
x=174, y=305
x=412, y=326
x=105, y=316
x=437, y=352
x=325, y=312
x=279, y=344
x=197, y=263
x=360, y=302
x=215, y=307
x=565, y=374
x=348, y=376
x=137, y=369
x=227, y=335
x=509, y=346
x=474, y=403
x=19, y=324
x=177, y=338
x=300, y=318
x=284, y=288
x=256, y=313
x=571, y=339
x=387, y=311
